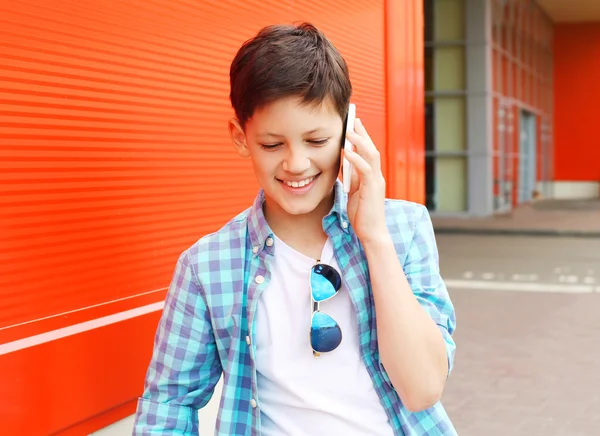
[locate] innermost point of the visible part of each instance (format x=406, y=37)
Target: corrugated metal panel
x=114, y=151
x=114, y=157
x=107, y=128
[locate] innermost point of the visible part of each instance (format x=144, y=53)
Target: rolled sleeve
x=185, y=367
x=423, y=273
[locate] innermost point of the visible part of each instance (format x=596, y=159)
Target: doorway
x=527, y=157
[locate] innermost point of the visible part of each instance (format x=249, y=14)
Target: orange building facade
x=115, y=157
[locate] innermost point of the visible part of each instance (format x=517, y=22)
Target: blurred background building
x=115, y=157
x=509, y=89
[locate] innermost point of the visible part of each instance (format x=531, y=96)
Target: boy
x=282, y=300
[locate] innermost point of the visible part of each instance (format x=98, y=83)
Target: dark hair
x=287, y=60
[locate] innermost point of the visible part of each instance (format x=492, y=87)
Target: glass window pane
x=451, y=175
x=449, y=20
x=449, y=65
x=496, y=71
x=430, y=183
x=429, y=125
x=429, y=63
x=428, y=17
x=450, y=124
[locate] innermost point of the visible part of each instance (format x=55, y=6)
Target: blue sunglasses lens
x=325, y=333
x=325, y=282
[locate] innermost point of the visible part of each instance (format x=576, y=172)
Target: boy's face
x=295, y=150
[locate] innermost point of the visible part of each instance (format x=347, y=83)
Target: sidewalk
x=525, y=364
x=574, y=218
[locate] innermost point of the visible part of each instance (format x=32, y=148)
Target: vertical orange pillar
x=405, y=99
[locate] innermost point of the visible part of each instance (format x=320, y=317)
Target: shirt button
x=344, y=224
x=253, y=403
x=259, y=279
x=269, y=242
x=255, y=249
x=248, y=341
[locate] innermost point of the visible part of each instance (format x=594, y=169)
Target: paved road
x=528, y=363
x=550, y=260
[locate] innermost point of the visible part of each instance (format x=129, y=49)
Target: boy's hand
x=366, y=200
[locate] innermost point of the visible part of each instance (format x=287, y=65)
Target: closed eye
x=271, y=146
x=310, y=141
x=318, y=141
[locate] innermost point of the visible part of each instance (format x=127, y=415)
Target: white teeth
x=301, y=183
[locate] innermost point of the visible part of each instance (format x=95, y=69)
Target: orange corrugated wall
x=114, y=157
x=405, y=100
x=576, y=97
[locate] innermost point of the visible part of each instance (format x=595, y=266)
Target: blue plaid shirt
x=207, y=325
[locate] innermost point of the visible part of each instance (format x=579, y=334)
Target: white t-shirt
x=300, y=395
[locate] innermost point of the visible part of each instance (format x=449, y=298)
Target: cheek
x=264, y=166
x=332, y=157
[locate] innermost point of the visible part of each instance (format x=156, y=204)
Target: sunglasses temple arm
x=315, y=308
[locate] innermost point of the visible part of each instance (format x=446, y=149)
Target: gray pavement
x=528, y=363
x=580, y=218
x=545, y=260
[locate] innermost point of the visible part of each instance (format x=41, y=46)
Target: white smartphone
x=347, y=166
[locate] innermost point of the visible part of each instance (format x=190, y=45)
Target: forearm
x=411, y=346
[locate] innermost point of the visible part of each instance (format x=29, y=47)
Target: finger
x=359, y=128
x=366, y=149
x=361, y=166
x=354, y=181
x=354, y=176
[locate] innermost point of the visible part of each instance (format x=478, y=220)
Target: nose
x=296, y=161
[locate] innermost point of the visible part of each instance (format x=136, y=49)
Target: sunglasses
x=325, y=333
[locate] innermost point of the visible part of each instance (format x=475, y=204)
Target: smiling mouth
x=299, y=183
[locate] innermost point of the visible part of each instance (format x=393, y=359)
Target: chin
x=293, y=206
x=299, y=209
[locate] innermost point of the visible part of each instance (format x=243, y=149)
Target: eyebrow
x=305, y=133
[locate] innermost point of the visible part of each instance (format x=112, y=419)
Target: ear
x=238, y=137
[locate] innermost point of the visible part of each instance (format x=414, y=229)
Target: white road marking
x=488, y=276
x=468, y=275
x=525, y=277
x=568, y=279
x=64, y=332
x=589, y=280
x=520, y=286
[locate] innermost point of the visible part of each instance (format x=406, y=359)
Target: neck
x=308, y=225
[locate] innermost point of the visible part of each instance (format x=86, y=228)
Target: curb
x=517, y=232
